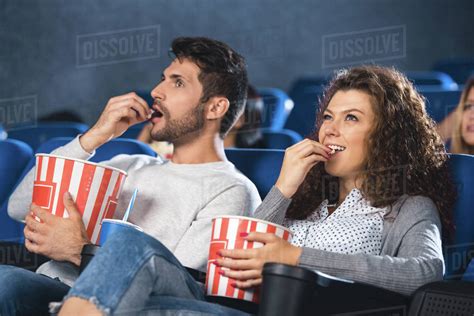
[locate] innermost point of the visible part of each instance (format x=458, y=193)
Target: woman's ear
x=217, y=108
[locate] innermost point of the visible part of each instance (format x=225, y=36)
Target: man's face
x=177, y=102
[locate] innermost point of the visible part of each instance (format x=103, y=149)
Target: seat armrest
x=443, y=298
x=311, y=292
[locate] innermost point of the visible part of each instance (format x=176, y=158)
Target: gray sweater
x=411, y=253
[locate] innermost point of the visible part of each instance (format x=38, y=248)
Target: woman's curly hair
x=405, y=155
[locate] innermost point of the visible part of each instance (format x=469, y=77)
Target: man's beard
x=176, y=129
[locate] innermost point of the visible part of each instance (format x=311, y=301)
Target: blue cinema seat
x=460, y=69
x=281, y=139
x=461, y=249
x=433, y=79
x=14, y=157
x=133, y=131
x=35, y=136
x=261, y=166
x=105, y=152
x=305, y=93
x=469, y=273
x=277, y=106
x=440, y=102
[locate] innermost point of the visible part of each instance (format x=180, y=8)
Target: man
x=199, y=98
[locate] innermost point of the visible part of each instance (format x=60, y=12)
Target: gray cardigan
x=411, y=253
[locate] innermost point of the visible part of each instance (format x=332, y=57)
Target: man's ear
x=217, y=108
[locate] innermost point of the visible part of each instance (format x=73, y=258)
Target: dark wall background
x=281, y=40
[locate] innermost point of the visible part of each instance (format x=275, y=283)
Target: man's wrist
x=90, y=142
x=76, y=256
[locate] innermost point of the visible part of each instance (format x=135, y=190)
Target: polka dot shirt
x=354, y=227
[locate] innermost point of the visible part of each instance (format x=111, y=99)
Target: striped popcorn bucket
x=226, y=235
x=95, y=188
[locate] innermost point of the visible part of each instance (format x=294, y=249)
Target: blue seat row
x=460, y=69
x=262, y=166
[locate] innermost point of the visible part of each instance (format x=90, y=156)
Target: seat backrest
x=459, y=252
x=261, y=166
x=133, y=131
x=305, y=95
x=277, y=108
x=281, y=139
x=440, y=102
x=105, y=152
x=469, y=273
x=432, y=79
x=35, y=136
x=14, y=157
x=443, y=298
x=459, y=69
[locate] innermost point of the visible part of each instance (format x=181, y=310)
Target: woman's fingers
x=308, y=143
x=247, y=284
x=313, y=159
x=262, y=237
x=313, y=149
x=240, y=264
x=238, y=253
x=241, y=275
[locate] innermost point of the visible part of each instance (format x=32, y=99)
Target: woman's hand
x=246, y=264
x=299, y=159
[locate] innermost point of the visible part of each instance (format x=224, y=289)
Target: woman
x=462, y=138
x=458, y=127
x=366, y=198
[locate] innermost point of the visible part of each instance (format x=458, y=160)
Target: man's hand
x=119, y=114
x=58, y=238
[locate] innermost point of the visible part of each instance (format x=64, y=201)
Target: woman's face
x=347, y=122
x=467, y=125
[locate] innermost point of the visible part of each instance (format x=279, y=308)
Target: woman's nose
x=331, y=129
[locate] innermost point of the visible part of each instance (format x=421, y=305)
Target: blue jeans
x=23, y=292
x=134, y=272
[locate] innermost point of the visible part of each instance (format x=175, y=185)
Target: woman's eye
x=468, y=106
x=326, y=117
x=351, y=117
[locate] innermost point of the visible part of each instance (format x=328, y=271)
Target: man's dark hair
x=223, y=73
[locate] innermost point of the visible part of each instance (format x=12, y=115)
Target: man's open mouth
x=156, y=114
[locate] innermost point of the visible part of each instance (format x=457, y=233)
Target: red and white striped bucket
x=95, y=188
x=226, y=235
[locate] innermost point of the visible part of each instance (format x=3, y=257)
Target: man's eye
x=351, y=117
x=179, y=83
x=468, y=106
